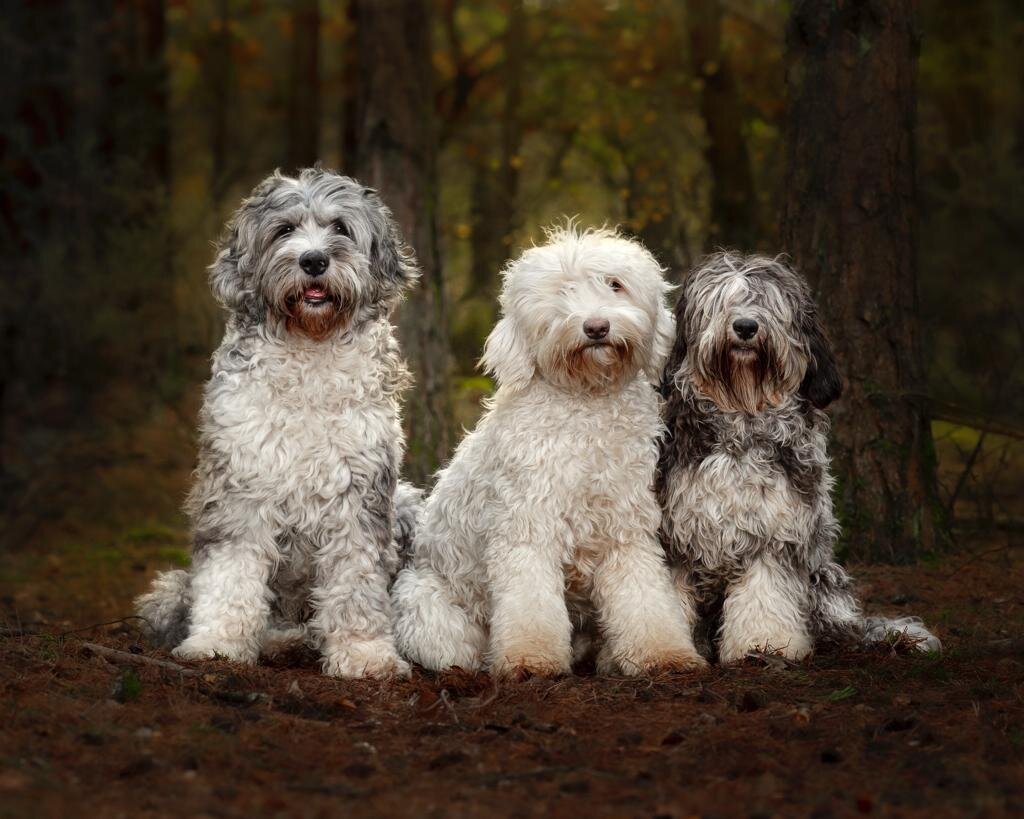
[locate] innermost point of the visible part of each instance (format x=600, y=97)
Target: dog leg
x=765, y=610
x=431, y=628
x=531, y=633
x=644, y=624
x=230, y=598
x=352, y=609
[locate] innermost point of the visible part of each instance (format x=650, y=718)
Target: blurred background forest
x=130, y=129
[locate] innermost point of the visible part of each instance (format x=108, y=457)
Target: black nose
x=745, y=328
x=596, y=328
x=314, y=262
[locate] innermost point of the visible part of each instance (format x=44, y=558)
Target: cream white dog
x=546, y=512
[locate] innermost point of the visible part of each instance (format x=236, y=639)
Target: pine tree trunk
x=396, y=154
x=304, y=90
x=220, y=80
x=495, y=190
x=849, y=220
x=733, y=201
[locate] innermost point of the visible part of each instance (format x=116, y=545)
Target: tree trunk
x=397, y=154
x=496, y=190
x=220, y=80
x=849, y=221
x=733, y=221
x=304, y=90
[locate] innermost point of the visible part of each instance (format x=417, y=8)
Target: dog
x=548, y=507
x=293, y=502
x=743, y=474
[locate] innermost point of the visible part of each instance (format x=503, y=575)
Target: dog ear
x=664, y=335
x=507, y=356
x=226, y=278
x=822, y=384
x=391, y=260
x=677, y=355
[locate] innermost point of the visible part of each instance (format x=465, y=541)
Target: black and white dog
x=744, y=479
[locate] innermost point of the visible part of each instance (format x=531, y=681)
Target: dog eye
x=284, y=230
x=342, y=228
x=616, y=285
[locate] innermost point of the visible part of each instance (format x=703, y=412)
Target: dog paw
x=669, y=660
x=203, y=647
x=520, y=669
x=793, y=647
x=375, y=659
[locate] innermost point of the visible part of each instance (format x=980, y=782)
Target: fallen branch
x=960, y=416
x=138, y=659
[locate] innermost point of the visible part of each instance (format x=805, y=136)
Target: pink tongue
x=314, y=293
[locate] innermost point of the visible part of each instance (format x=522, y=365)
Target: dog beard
x=316, y=317
x=746, y=379
x=597, y=367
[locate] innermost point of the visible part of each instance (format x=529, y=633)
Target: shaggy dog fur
x=548, y=505
x=744, y=476
x=300, y=440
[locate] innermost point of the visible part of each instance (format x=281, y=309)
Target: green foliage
x=127, y=688
x=840, y=694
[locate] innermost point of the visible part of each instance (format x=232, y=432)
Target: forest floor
x=845, y=733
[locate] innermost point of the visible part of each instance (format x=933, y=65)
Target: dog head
x=315, y=253
x=748, y=336
x=585, y=311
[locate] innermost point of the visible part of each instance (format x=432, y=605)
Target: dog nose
x=314, y=262
x=596, y=328
x=745, y=328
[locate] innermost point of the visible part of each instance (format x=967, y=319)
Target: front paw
x=207, y=647
x=375, y=659
x=791, y=646
x=635, y=664
x=519, y=667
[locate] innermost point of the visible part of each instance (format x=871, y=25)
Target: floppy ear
x=822, y=384
x=664, y=335
x=677, y=354
x=390, y=259
x=507, y=356
x=226, y=278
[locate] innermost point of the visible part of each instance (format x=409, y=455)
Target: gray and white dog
x=293, y=504
x=744, y=479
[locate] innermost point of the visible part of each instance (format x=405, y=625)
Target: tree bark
x=220, y=80
x=304, y=90
x=397, y=154
x=496, y=189
x=849, y=221
x=733, y=221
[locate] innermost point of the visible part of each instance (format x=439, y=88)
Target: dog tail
x=408, y=503
x=890, y=629
x=431, y=628
x=837, y=615
x=164, y=608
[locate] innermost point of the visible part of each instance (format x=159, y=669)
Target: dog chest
x=729, y=506
x=301, y=422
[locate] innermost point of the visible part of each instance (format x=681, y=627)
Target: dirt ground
x=846, y=733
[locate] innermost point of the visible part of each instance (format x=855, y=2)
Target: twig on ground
x=446, y=699
x=976, y=556
x=100, y=625
x=138, y=659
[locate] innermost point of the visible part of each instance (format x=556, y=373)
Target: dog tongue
x=314, y=293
